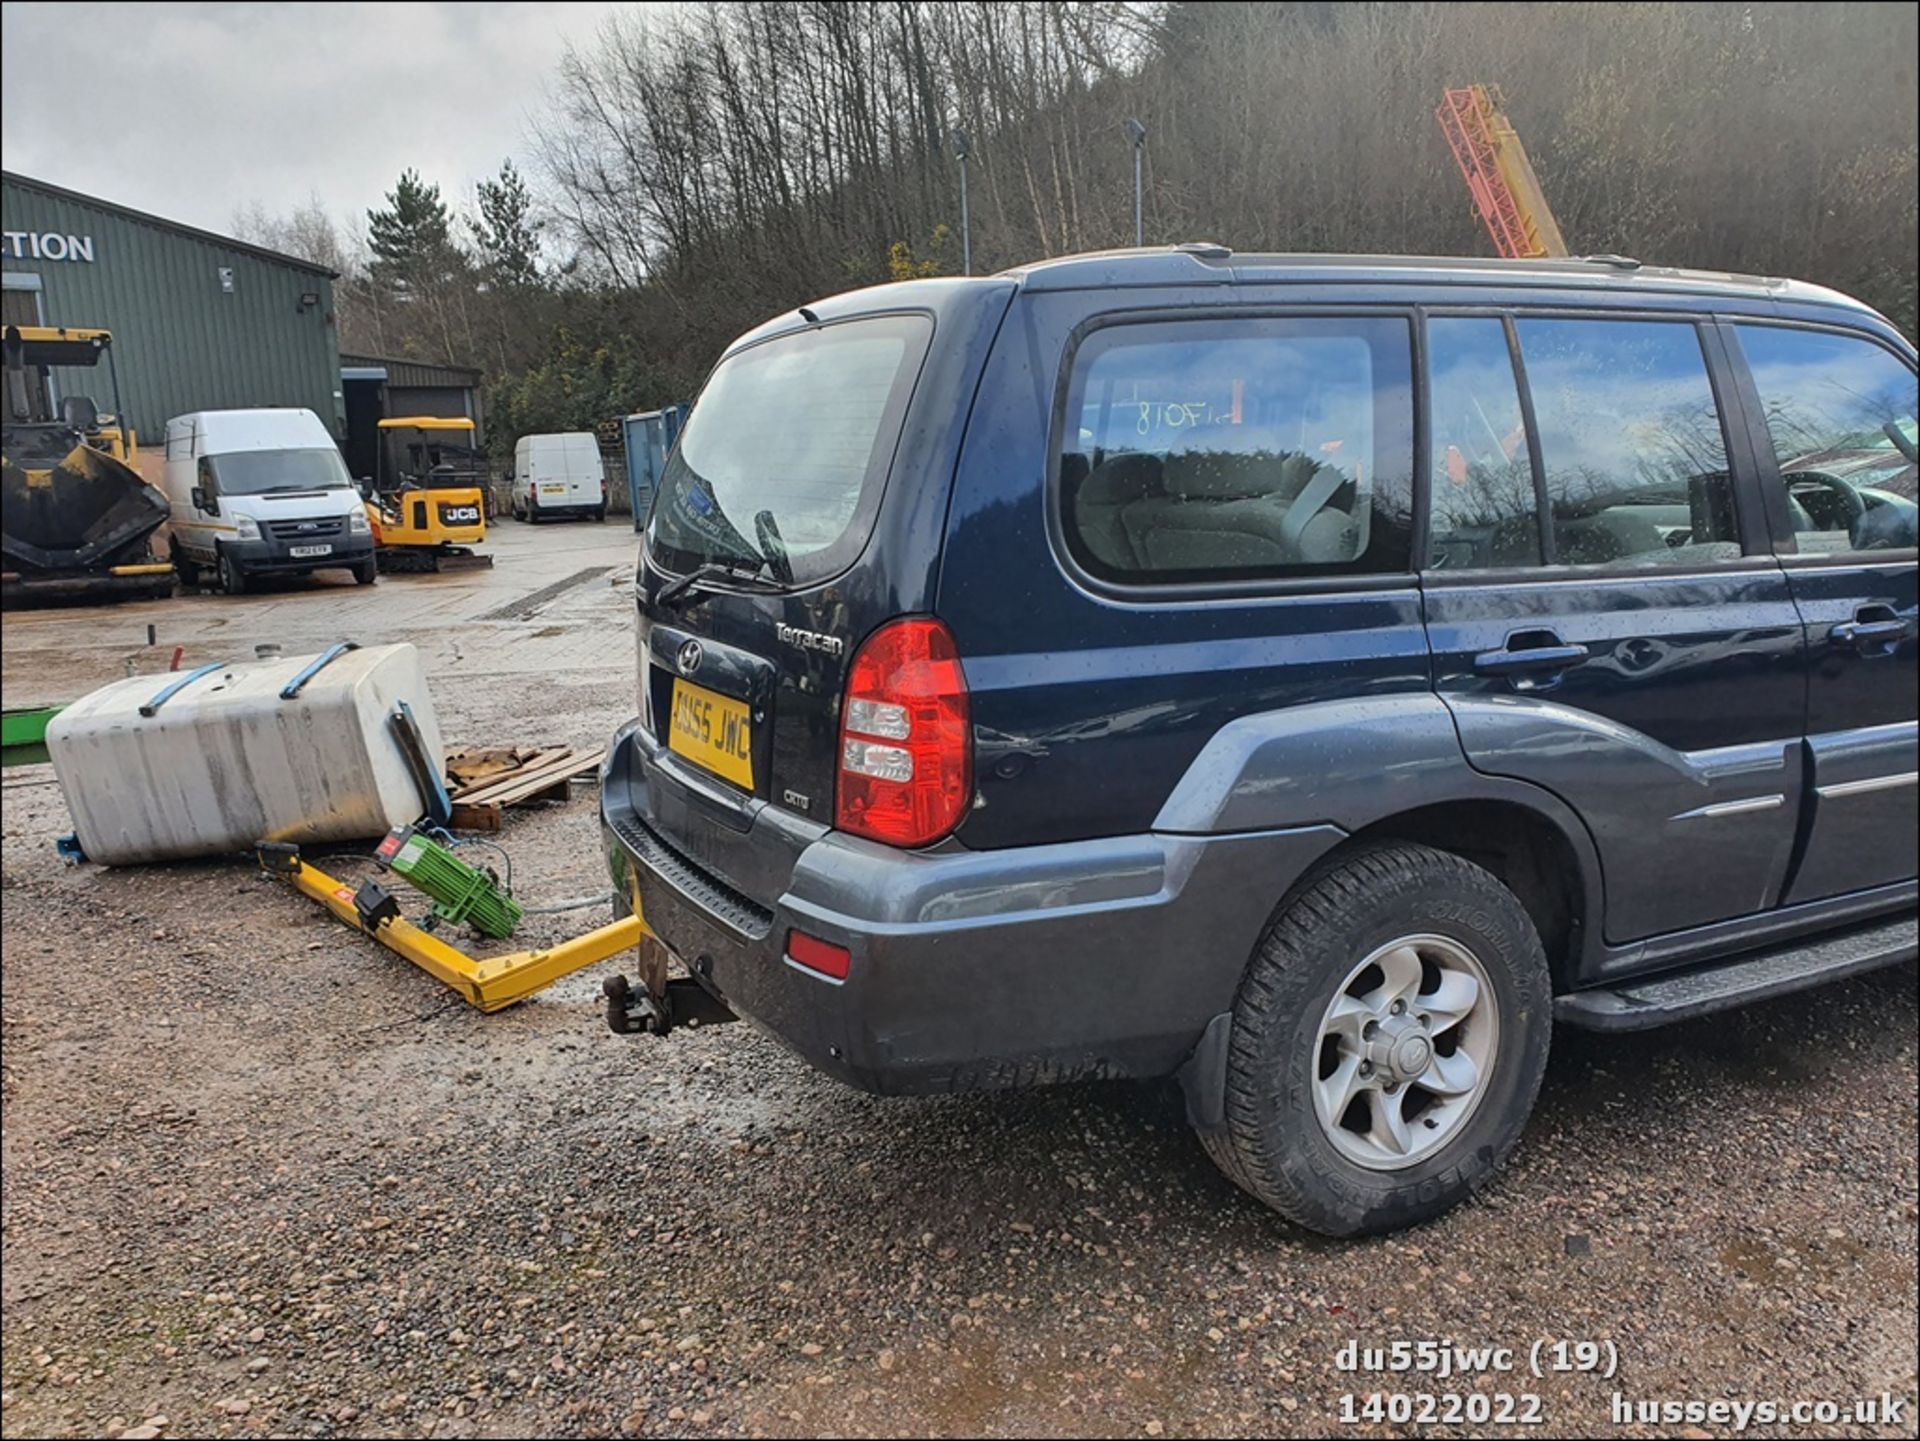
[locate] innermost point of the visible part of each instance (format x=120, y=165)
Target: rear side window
x=1485, y=509
x=1840, y=412
x=1630, y=438
x=1239, y=449
x=784, y=456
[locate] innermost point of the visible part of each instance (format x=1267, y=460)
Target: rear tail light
x=818, y=955
x=906, y=749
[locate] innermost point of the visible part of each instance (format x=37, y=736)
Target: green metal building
x=199, y=321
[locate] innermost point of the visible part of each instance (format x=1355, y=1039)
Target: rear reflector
x=818, y=955
x=906, y=746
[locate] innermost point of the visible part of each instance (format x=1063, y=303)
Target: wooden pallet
x=486, y=780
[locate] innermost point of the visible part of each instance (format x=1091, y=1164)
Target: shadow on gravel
x=1778, y=1045
x=1119, y=1155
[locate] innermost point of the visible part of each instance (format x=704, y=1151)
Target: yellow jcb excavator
x=427, y=504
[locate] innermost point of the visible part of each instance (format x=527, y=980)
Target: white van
x=262, y=491
x=558, y=475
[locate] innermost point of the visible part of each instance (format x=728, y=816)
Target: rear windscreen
x=786, y=452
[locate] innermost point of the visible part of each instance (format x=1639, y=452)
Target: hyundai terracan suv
x=1312, y=677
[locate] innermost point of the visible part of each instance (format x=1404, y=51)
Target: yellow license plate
x=712, y=731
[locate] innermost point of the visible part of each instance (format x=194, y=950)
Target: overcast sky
x=194, y=111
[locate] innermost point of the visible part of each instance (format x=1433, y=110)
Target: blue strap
x=425, y=768
x=174, y=688
x=320, y=662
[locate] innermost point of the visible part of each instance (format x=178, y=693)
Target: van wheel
x=518, y=513
x=1387, y=1043
x=188, y=572
x=233, y=580
x=366, y=572
x=600, y=515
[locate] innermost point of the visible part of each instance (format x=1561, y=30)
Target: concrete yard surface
x=261, y=1177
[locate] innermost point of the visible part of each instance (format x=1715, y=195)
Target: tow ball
x=658, y=1004
x=634, y=1011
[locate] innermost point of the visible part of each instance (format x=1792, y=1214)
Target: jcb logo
x=459, y=514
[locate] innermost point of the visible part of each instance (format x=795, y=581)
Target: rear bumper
x=970, y=969
x=262, y=556
x=571, y=508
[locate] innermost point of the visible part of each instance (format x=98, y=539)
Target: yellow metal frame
x=426, y=422
x=1536, y=216
x=76, y=347
x=73, y=346
x=492, y=983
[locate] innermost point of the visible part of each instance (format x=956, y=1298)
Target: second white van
x=557, y=475
x=253, y=492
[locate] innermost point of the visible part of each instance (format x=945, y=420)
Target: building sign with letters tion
x=45, y=245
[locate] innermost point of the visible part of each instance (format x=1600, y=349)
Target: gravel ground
x=263, y=1178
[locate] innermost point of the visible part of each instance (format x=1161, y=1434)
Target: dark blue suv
x=1309, y=676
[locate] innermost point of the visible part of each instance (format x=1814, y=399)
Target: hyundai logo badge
x=690, y=657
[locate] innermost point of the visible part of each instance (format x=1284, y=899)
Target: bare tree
x=709, y=166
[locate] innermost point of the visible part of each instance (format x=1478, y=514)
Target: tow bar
x=489, y=983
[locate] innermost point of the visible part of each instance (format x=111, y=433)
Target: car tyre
x=366, y=572
x=233, y=578
x=1317, y=1029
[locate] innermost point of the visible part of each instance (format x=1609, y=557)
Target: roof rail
x=1616, y=262
x=1204, y=249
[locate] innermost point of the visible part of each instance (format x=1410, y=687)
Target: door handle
x=1531, y=653
x=1871, y=626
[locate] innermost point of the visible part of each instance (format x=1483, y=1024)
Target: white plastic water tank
x=159, y=767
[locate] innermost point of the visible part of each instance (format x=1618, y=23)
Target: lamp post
x=1137, y=133
x=960, y=146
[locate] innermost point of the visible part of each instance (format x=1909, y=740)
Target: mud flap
x=1203, y=1076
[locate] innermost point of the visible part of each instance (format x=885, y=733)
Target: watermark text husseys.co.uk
x=1882, y=1410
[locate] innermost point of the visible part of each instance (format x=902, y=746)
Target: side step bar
x=1756, y=976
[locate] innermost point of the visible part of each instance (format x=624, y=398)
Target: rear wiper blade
x=740, y=573
x=767, y=530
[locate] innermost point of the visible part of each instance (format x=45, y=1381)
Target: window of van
x=1840, y=412
x=1631, y=442
x=270, y=472
x=785, y=454
x=1232, y=449
x=1485, y=509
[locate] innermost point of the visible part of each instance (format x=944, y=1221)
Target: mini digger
x=76, y=519
x=427, y=503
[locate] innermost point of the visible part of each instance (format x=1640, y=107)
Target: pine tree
x=506, y=233
x=412, y=239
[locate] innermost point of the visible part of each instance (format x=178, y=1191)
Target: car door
x=1606, y=618
x=1835, y=430
x=205, y=521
